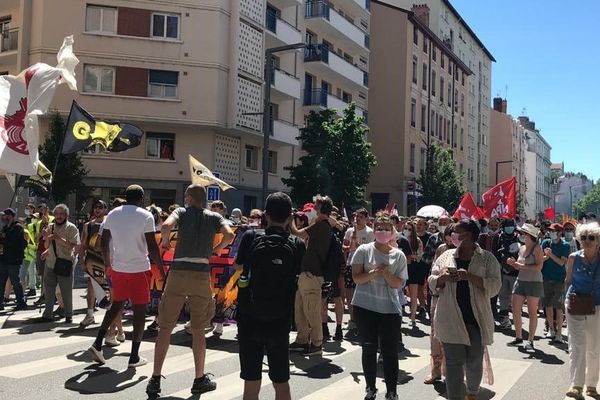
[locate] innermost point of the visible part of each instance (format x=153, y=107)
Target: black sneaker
x=1, y=307
x=313, y=350
x=39, y=301
x=326, y=334
x=60, y=312
x=371, y=394
x=68, y=320
x=203, y=385
x=30, y=293
x=515, y=343
x=20, y=307
x=153, y=327
x=153, y=387
x=298, y=347
x=338, y=333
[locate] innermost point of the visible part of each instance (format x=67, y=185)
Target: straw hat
x=530, y=230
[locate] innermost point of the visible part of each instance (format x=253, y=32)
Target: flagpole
x=15, y=191
x=60, y=148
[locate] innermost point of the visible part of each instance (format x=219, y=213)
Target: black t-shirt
x=463, y=295
x=404, y=245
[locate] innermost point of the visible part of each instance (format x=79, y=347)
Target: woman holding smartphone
x=416, y=273
x=378, y=269
x=465, y=279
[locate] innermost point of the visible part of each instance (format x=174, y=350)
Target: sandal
x=575, y=392
x=430, y=379
x=591, y=391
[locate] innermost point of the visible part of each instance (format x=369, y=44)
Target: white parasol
x=431, y=211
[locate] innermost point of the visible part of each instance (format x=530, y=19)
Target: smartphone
x=452, y=270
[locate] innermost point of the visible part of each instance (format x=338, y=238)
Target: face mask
x=27, y=213
x=383, y=237
x=442, y=228
x=509, y=230
x=311, y=215
x=485, y=230
x=553, y=235
x=406, y=233
x=569, y=235
x=455, y=240
x=235, y=220
x=522, y=238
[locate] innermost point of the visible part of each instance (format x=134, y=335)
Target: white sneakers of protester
x=97, y=355
x=121, y=337
x=218, y=331
x=88, y=320
x=111, y=341
x=142, y=361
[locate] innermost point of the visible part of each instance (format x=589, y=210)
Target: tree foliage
x=440, y=184
x=69, y=174
x=337, y=159
x=590, y=202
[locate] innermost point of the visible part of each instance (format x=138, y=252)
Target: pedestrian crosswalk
x=59, y=352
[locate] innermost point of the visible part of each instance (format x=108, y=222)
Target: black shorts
x=348, y=281
x=333, y=292
x=256, y=337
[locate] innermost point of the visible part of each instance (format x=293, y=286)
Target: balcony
x=285, y=86
x=284, y=132
x=9, y=40
x=328, y=65
x=326, y=22
x=318, y=99
x=280, y=32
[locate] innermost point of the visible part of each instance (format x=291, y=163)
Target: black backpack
x=271, y=271
x=334, y=260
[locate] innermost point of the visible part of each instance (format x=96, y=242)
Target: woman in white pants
x=583, y=278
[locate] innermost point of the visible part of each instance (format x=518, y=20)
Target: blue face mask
x=509, y=230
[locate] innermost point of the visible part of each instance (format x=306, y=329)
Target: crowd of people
x=465, y=278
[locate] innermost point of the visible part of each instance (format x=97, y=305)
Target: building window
x=165, y=26
x=433, y=78
x=462, y=104
x=424, y=45
x=414, y=70
x=160, y=145
x=455, y=100
x=463, y=79
x=443, y=60
x=415, y=35
x=424, y=76
x=97, y=79
x=252, y=157
x=163, y=84
x=433, y=53
x=442, y=89
x=423, y=160
x=346, y=97
x=441, y=128
x=449, y=95
x=412, y=157
x=423, y=117
x=413, y=113
x=272, y=162
x=101, y=19
x=432, y=120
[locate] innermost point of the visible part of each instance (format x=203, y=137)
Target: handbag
x=583, y=304
x=62, y=266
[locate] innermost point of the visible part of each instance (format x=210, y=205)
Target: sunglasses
x=591, y=238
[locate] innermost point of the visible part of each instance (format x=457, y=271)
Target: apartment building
x=418, y=95
x=508, y=141
x=191, y=74
x=446, y=22
x=537, y=167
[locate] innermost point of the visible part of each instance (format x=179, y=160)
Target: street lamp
x=497, y=164
x=267, y=111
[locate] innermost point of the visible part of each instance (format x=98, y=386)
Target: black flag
x=83, y=131
x=40, y=182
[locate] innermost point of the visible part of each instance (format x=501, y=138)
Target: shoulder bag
x=62, y=266
x=583, y=304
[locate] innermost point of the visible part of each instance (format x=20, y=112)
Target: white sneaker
x=550, y=334
x=121, y=337
x=558, y=338
x=141, y=361
x=97, y=355
x=218, y=331
x=188, y=327
x=88, y=320
x=111, y=341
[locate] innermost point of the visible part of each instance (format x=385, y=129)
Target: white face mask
x=442, y=228
x=406, y=233
x=311, y=215
x=553, y=235
x=569, y=235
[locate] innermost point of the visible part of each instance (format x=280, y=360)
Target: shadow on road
x=111, y=381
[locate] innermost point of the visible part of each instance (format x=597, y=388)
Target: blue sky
x=548, y=55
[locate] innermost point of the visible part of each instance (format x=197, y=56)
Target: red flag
x=549, y=213
x=501, y=200
x=467, y=208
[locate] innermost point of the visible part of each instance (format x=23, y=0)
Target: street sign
x=213, y=193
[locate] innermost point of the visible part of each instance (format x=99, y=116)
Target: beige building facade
x=508, y=141
x=191, y=74
x=418, y=95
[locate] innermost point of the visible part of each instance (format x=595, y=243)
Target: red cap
x=307, y=207
x=555, y=227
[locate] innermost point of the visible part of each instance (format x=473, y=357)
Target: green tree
x=440, y=184
x=590, y=202
x=69, y=174
x=337, y=159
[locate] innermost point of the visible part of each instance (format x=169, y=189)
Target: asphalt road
x=49, y=361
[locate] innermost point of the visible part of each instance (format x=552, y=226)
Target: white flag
x=204, y=177
x=22, y=99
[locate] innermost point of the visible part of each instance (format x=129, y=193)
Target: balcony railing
x=315, y=97
x=317, y=52
x=315, y=9
x=9, y=40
